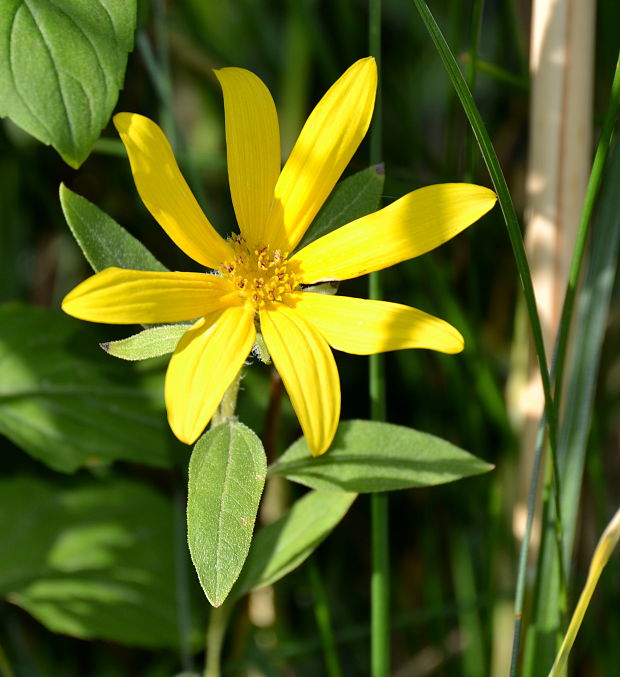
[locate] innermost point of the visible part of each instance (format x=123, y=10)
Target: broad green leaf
x=104, y=242
x=226, y=479
x=62, y=64
x=67, y=403
x=368, y=456
x=352, y=198
x=152, y=342
x=282, y=546
x=92, y=559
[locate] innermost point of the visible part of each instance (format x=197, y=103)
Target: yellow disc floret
x=261, y=275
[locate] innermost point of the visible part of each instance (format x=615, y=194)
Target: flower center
x=261, y=275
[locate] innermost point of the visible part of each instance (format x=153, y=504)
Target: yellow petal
x=119, y=296
x=366, y=327
x=252, y=148
x=165, y=193
x=204, y=364
x=413, y=225
x=327, y=142
x=308, y=369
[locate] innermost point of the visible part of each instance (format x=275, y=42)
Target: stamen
x=261, y=275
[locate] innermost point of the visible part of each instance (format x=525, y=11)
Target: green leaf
x=282, y=546
x=594, y=311
x=67, y=403
x=352, y=198
x=369, y=456
x=94, y=560
x=226, y=479
x=62, y=64
x=152, y=342
x=104, y=242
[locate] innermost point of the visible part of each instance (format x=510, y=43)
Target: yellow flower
x=258, y=277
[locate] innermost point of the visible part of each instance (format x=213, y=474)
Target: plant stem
x=380, y=580
x=380, y=587
x=228, y=404
x=321, y=612
x=516, y=37
x=218, y=622
x=374, y=44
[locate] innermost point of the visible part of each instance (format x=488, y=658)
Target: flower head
x=257, y=277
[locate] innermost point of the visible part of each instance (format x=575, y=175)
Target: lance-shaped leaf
x=368, y=456
x=103, y=241
x=152, y=342
x=282, y=546
x=62, y=64
x=226, y=479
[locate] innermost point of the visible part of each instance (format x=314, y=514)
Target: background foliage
x=453, y=548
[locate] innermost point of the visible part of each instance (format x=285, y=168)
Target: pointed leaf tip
x=369, y=456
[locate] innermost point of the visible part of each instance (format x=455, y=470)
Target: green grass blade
x=522, y=568
x=591, y=324
x=576, y=417
x=592, y=314
x=570, y=498
x=505, y=201
x=592, y=191
x=605, y=547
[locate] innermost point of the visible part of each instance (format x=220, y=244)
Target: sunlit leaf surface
x=62, y=64
x=368, y=456
x=67, y=403
x=92, y=560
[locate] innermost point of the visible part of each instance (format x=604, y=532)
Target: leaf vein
x=56, y=75
x=14, y=79
x=93, y=46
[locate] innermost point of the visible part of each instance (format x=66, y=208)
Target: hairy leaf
x=368, y=456
x=226, y=479
x=62, y=64
x=103, y=241
x=152, y=342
